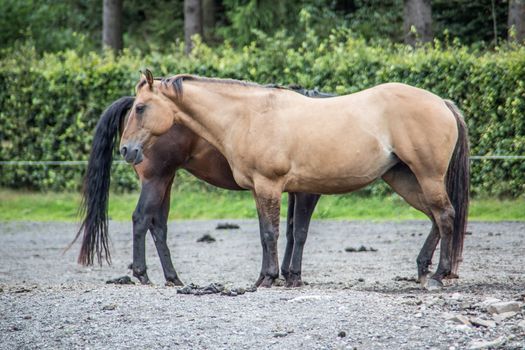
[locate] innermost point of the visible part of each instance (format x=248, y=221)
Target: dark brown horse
x=179, y=148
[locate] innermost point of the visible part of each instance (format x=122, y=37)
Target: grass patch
x=217, y=204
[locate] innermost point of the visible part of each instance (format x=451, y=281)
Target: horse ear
x=149, y=77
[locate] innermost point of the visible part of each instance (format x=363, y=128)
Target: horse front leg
x=304, y=207
x=268, y=201
x=159, y=230
x=140, y=229
x=149, y=204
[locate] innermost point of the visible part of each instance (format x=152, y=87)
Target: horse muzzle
x=132, y=153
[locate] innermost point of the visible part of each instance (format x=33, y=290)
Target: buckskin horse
x=178, y=148
x=278, y=141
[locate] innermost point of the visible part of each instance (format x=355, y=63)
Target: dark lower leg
x=424, y=259
x=268, y=210
x=304, y=208
x=264, y=263
x=445, y=222
x=159, y=230
x=159, y=233
x=139, y=249
x=285, y=265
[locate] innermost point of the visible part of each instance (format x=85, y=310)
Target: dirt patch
x=365, y=300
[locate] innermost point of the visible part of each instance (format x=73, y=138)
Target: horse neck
x=212, y=109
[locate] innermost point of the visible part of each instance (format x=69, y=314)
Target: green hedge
x=49, y=105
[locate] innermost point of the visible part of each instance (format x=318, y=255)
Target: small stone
x=109, y=307
x=206, y=239
x=360, y=249
x=489, y=301
x=418, y=315
x=227, y=226
x=304, y=298
x=27, y=317
x=120, y=280
x=405, y=279
x=463, y=328
x=503, y=306
x=185, y=290
x=360, y=279
x=280, y=334
x=502, y=317
x=519, y=297
x=459, y=319
x=341, y=334
x=477, y=345
x=466, y=305
x=482, y=323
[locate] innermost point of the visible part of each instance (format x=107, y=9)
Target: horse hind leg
x=440, y=206
x=404, y=182
x=285, y=265
x=444, y=214
x=304, y=207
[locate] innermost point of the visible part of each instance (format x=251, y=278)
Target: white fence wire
x=84, y=162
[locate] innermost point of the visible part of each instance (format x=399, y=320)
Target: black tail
x=458, y=183
x=95, y=193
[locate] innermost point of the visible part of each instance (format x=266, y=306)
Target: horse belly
x=340, y=169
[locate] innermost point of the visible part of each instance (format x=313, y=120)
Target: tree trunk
x=112, y=25
x=418, y=16
x=192, y=22
x=209, y=9
x=516, y=21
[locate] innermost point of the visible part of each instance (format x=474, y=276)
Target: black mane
x=176, y=84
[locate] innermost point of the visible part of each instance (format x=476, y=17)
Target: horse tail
x=458, y=183
x=95, y=192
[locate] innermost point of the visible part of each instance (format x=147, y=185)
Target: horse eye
x=140, y=108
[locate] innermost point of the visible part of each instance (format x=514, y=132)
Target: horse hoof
x=294, y=282
x=144, y=281
x=267, y=282
x=423, y=279
x=433, y=284
x=451, y=276
x=297, y=284
x=259, y=281
x=175, y=283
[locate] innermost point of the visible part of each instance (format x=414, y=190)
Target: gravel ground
x=363, y=300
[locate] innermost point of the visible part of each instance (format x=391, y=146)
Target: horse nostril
x=123, y=151
x=138, y=155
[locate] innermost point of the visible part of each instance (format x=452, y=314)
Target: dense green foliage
x=54, y=25
x=49, y=106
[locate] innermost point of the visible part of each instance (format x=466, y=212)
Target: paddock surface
x=363, y=300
